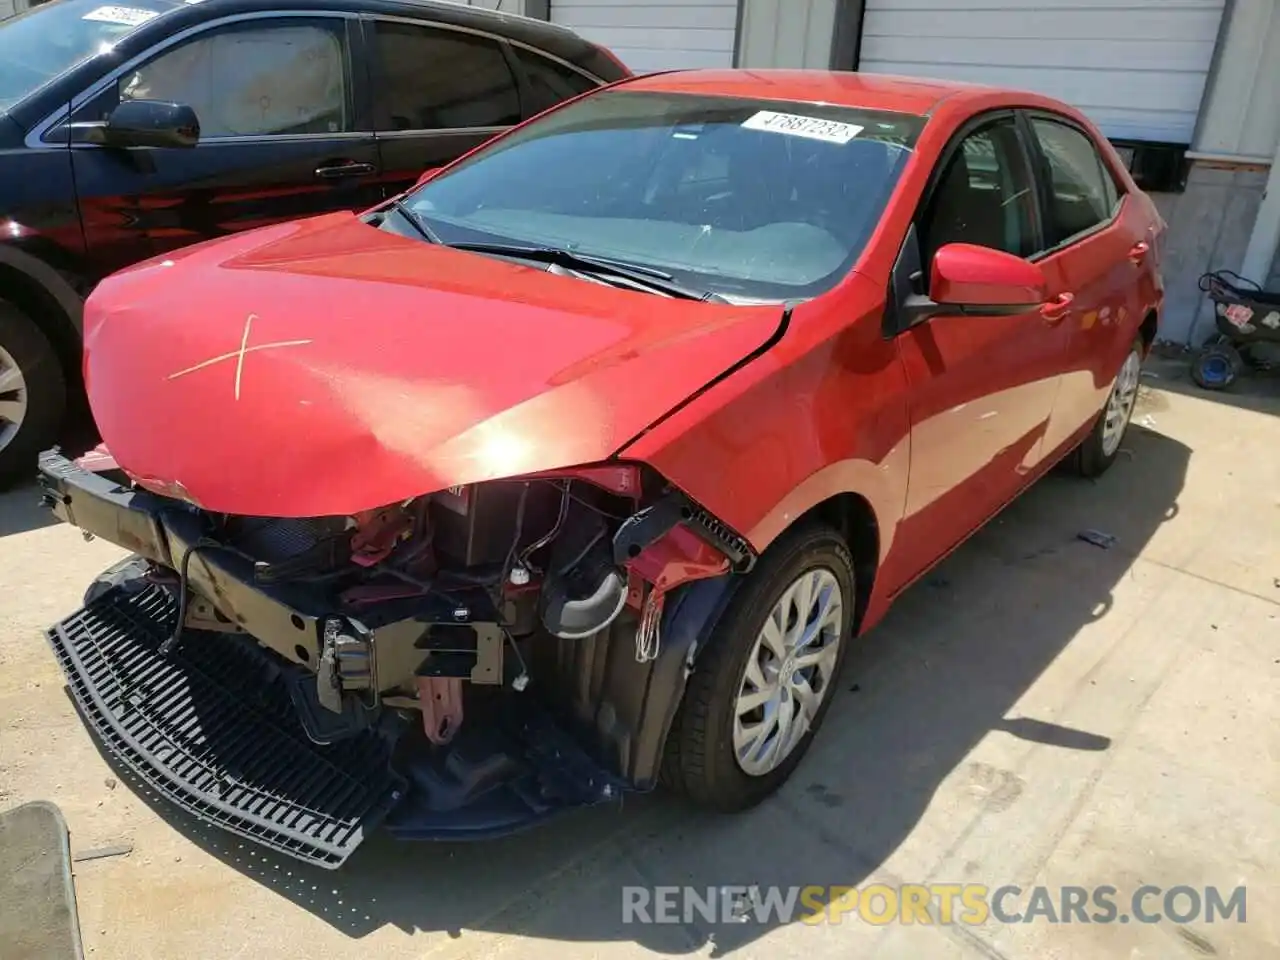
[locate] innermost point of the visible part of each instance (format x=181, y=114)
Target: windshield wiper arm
x=645, y=276
x=415, y=220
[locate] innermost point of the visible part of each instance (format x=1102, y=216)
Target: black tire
x=1091, y=457
x=1216, y=366
x=699, y=761
x=46, y=393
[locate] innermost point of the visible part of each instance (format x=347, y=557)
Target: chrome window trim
x=35, y=136
x=440, y=131
x=497, y=38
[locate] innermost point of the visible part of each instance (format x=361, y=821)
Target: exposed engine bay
x=435, y=610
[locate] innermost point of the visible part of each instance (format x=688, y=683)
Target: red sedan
x=580, y=465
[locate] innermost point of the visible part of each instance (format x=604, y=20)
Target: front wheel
x=759, y=692
x=1100, y=448
x=33, y=394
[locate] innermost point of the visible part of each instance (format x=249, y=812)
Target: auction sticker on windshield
x=125, y=16
x=795, y=125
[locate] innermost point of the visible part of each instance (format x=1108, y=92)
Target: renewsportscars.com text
x=933, y=903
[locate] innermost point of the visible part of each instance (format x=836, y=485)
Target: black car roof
x=540, y=33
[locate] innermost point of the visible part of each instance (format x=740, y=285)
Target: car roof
x=910, y=95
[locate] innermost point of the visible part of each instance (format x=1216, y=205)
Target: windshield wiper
x=644, y=276
x=415, y=220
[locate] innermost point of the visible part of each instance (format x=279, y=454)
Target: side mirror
x=142, y=123
x=970, y=279
x=427, y=175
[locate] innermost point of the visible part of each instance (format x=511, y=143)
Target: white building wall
x=787, y=33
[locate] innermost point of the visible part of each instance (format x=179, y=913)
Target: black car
x=128, y=130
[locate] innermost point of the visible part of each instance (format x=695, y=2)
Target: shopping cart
x=1246, y=316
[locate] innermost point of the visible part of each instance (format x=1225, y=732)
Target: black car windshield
x=746, y=199
x=50, y=39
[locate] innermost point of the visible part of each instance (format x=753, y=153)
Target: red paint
x=970, y=276
x=379, y=368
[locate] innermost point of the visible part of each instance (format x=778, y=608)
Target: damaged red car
x=579, y=467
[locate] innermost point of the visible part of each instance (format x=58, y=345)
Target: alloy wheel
x=13, y=398
x=788, y=673
x=1124, y=394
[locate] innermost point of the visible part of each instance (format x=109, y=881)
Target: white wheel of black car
x=1099, y=449
x=33, y=394
x=13, y=398
x=760, y=689
x=788, y=672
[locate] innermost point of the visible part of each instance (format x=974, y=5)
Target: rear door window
x=549, y=82
x=1080, y=195
x=436, y=79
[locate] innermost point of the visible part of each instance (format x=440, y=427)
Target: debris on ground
x=1096, y=537
x=100, y=853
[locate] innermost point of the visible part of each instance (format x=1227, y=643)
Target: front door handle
x=345, y=168
x=1054, y=310
x=1138, y=252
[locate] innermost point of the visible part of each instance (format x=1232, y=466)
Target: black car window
x=253, y=80
x=434, y=79
x=549, y=81
x=984, y=195
x=1077, y=181
x=41, y=43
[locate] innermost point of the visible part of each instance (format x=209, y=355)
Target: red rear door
x=1098, y=248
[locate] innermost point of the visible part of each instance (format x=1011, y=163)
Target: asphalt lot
x=1038, y=711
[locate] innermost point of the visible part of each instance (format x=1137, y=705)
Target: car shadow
x=20, y=508
x=1255, y=389
x=954, y=656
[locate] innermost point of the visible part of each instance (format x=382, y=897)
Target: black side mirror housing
x=142, y=123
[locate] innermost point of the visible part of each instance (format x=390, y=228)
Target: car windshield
x=50, y=39
x=749, y=200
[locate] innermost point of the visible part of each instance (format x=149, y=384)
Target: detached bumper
x=212, y=727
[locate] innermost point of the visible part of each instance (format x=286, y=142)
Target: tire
x=1099, y=450
x=700, y=761
x=1216, y=366
x=30, y=375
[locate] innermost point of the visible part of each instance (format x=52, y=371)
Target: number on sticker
x=124, y=16
x=794, y=125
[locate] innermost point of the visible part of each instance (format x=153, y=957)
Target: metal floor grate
x=212, y=728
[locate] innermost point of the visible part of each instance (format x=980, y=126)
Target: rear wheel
x=1101, y=447
x=33, y=394
x=760, y=691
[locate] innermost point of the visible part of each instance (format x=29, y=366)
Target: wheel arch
x=49, y=300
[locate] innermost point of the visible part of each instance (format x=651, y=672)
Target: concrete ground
x=1039, y=711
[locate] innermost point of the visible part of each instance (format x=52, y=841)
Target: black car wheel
x=33, y=394
x=760, y=690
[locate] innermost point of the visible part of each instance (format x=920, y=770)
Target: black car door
x=438, y=92
x=285, y=133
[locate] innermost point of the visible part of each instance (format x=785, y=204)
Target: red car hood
x=325, y=367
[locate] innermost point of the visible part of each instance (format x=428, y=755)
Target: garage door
x=666, y=35
x=1136, y=68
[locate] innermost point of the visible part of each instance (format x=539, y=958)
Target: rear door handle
x=1138, y=252
x=345, y=168
x=1057, y=308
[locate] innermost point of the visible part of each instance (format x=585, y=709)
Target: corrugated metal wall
x=787, y=33
x=675, y=34
x=1137, y=68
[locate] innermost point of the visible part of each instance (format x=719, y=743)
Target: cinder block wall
x=1209, y=228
